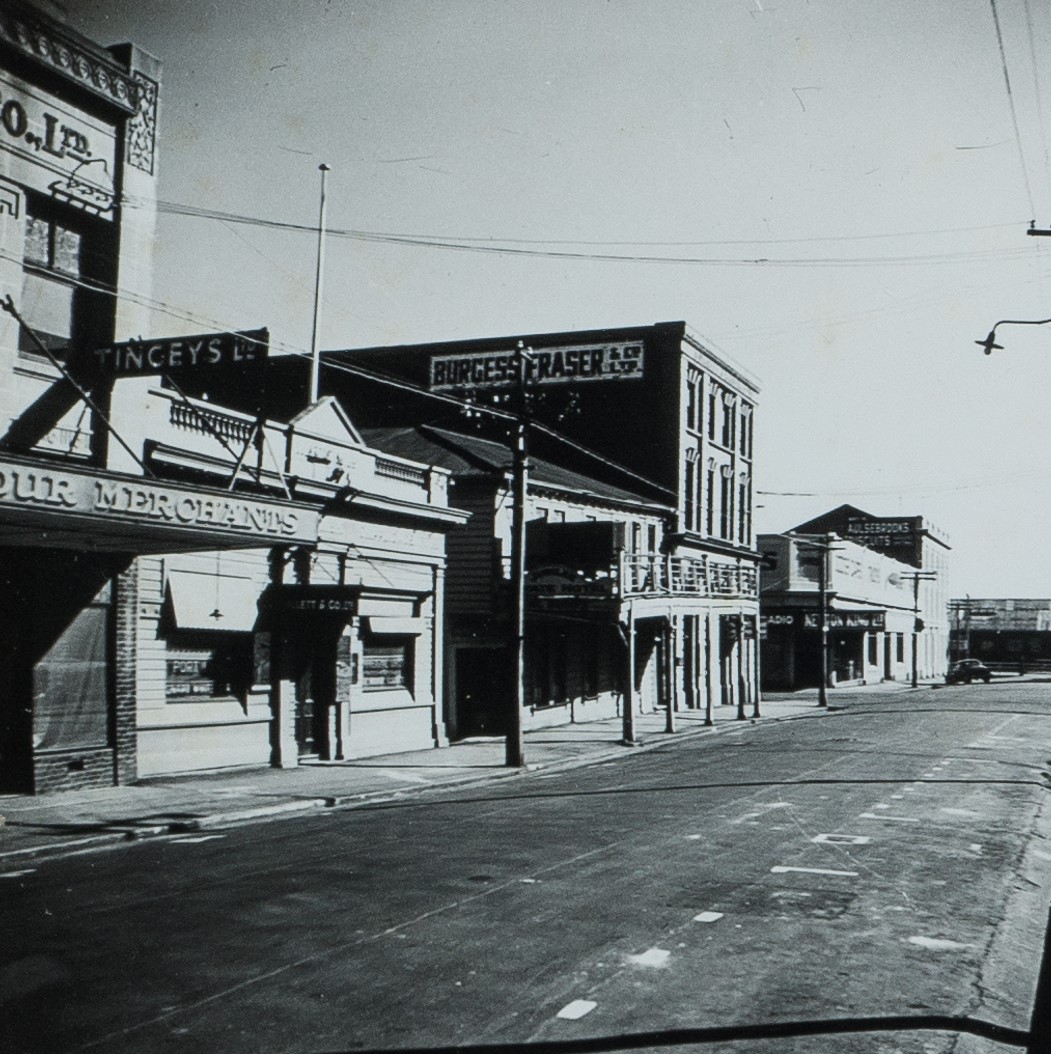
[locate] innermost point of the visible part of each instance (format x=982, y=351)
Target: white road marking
x=937, y=944
x=19, y=874
x=842, y=839
x=897, y=819
x=881, y=806
x=897, y=797
x=975, y=847
x=693, y=837
x=780, y=869
x=708, y=916
x=198, y=838
x=655, y=957
x=968, y=813
x=576, y=1010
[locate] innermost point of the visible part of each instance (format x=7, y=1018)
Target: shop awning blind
x=395, y=627
x=213, y=602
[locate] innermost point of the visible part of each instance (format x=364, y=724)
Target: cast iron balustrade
x=192, y=418
x=399, y=470
x=649, y=575
x=657, y=575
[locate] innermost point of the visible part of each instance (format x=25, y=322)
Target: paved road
x=888, y=859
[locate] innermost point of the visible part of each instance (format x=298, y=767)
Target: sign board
x=57, y=149
x=870, y=620
x=867, y=620
x=327, y=599
x=566, y=365
x=127, y=501
x=203, y=353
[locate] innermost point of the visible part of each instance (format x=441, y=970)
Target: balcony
x=645, y=576
x=650, y=575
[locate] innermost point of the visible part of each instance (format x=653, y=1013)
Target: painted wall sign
x=133, y=501
x=178, y=355
x=57, y=149
x=870, y=620
x=568, y=365
x=316, y=599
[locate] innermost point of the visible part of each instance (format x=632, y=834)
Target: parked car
x=967, y=670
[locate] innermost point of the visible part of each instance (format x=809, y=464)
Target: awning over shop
x=382, y=626
x=212, y=602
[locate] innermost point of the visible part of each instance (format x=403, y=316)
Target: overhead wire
x=513, y=248
x=1011, y=105
x=1037, y=95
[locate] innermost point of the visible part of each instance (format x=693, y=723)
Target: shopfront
x=70, y=546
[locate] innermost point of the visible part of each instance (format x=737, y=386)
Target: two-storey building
x=186, y=586
x=650, y=409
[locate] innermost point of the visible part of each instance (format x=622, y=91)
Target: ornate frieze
x=48, y=45
x=142, y=128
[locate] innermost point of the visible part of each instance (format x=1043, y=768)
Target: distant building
x=1015, y=633
x=922, y=547
x=882, y=621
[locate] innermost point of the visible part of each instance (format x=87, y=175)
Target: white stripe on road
x=576, y=1010
x=193, y=840
x=652, y=957
x=708, y=916
x=779, y=869
x=896, y=819
x=19, y=874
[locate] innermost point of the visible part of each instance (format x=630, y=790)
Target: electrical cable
x=1011, y=104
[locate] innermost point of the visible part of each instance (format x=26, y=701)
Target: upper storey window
x=60, y=259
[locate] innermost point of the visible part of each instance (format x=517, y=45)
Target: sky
x=833, y=194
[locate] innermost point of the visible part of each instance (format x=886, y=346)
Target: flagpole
x=315, y=359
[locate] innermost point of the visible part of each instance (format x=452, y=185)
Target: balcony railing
x=651, y=575
x=657, y=575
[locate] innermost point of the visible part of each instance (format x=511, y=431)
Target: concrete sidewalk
x=81, y=820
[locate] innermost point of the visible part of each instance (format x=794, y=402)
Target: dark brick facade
x=125, y=736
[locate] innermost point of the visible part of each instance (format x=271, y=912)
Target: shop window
x=873, y=650
x=386, y=665
x=71, y=686
x=901, y=647
x=208, y=666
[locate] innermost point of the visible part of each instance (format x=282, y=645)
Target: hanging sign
x=203, y=353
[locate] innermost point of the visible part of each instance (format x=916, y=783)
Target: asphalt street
x=892, y=859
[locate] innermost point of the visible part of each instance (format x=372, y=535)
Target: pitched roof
x=469, y=455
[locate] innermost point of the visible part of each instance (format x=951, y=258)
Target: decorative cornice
x=50, y=46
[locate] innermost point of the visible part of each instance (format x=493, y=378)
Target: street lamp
x=989, y=344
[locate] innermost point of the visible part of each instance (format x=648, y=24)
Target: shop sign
x=319, y=599
x=868, y=620
x=882, y=533
x=49, y=139
x=204, y=353
x=126, y=501
x=568, y=365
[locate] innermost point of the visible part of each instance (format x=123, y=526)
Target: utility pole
x=514, y=755
x=824, y=546
x=917, y=577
